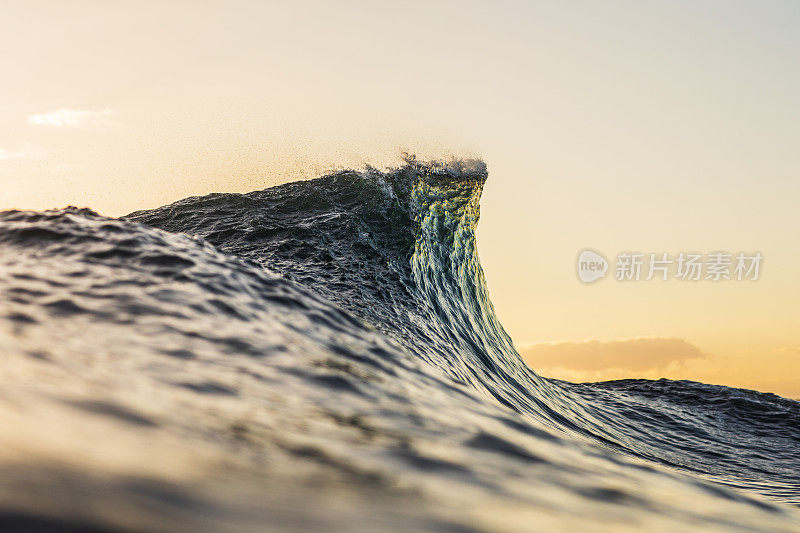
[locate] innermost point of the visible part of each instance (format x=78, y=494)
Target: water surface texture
x=324, y=355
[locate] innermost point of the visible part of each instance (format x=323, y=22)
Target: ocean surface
x=324, y=355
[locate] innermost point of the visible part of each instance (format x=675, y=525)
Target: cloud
x=767, y=370
x=599, y=360
x=20, y=151
x=9, y=154
x=73, y=118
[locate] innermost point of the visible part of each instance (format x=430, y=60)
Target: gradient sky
x=654, y=127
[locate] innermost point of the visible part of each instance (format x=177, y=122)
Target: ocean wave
x=325, y=354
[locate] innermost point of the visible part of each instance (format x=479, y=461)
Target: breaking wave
x=324, y=354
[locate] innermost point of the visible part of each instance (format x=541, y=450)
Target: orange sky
x=663, y=127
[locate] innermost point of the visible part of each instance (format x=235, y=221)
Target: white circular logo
x=591, y=266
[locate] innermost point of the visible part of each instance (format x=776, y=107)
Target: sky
x=653, y=127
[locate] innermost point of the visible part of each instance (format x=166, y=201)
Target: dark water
x=324, y=355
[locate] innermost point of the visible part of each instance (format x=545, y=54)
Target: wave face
x=332, y=341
